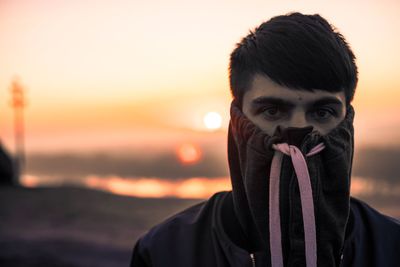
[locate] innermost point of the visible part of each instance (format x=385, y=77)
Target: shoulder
x=185, y=227
x=374, y=219
x=375, y=237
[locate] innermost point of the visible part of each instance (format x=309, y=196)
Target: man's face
x=268, y=105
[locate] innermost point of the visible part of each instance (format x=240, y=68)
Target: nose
x=298, y=120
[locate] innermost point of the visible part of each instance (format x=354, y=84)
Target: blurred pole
x=18, y=104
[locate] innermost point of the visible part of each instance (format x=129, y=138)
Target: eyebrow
x=264, y=100
x=327, y=101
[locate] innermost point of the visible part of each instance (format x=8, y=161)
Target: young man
x=290, y=150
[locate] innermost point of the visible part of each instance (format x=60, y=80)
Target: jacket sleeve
x=140, y=258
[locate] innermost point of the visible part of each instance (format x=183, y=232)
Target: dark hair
x=298, y=51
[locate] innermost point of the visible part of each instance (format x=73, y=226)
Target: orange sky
x=105, y=73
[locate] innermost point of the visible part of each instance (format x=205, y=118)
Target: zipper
x=341, y=260
x=253, y=260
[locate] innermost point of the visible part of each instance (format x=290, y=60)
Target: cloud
x=164, y=165
x=378, y=163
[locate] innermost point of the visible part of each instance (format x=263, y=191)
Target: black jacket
x=208, y=234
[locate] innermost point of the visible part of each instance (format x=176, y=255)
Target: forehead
x=262, y=86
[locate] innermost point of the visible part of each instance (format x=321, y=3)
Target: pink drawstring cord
x=307, y=204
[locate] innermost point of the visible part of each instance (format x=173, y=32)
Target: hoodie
x=251, y=154
x=290, y=205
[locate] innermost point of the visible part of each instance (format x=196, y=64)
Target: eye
x=272, y=113
x=323, y=114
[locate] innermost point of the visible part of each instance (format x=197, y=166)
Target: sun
x=212, y=120
x=189, y=153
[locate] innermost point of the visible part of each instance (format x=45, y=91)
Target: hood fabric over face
x=291, y=161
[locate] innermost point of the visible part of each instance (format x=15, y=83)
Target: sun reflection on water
x=195, y=187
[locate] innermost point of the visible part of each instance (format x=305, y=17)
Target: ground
x=74, y=226
x=80, y=227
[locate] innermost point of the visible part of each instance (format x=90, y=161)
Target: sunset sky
x=110, y=74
